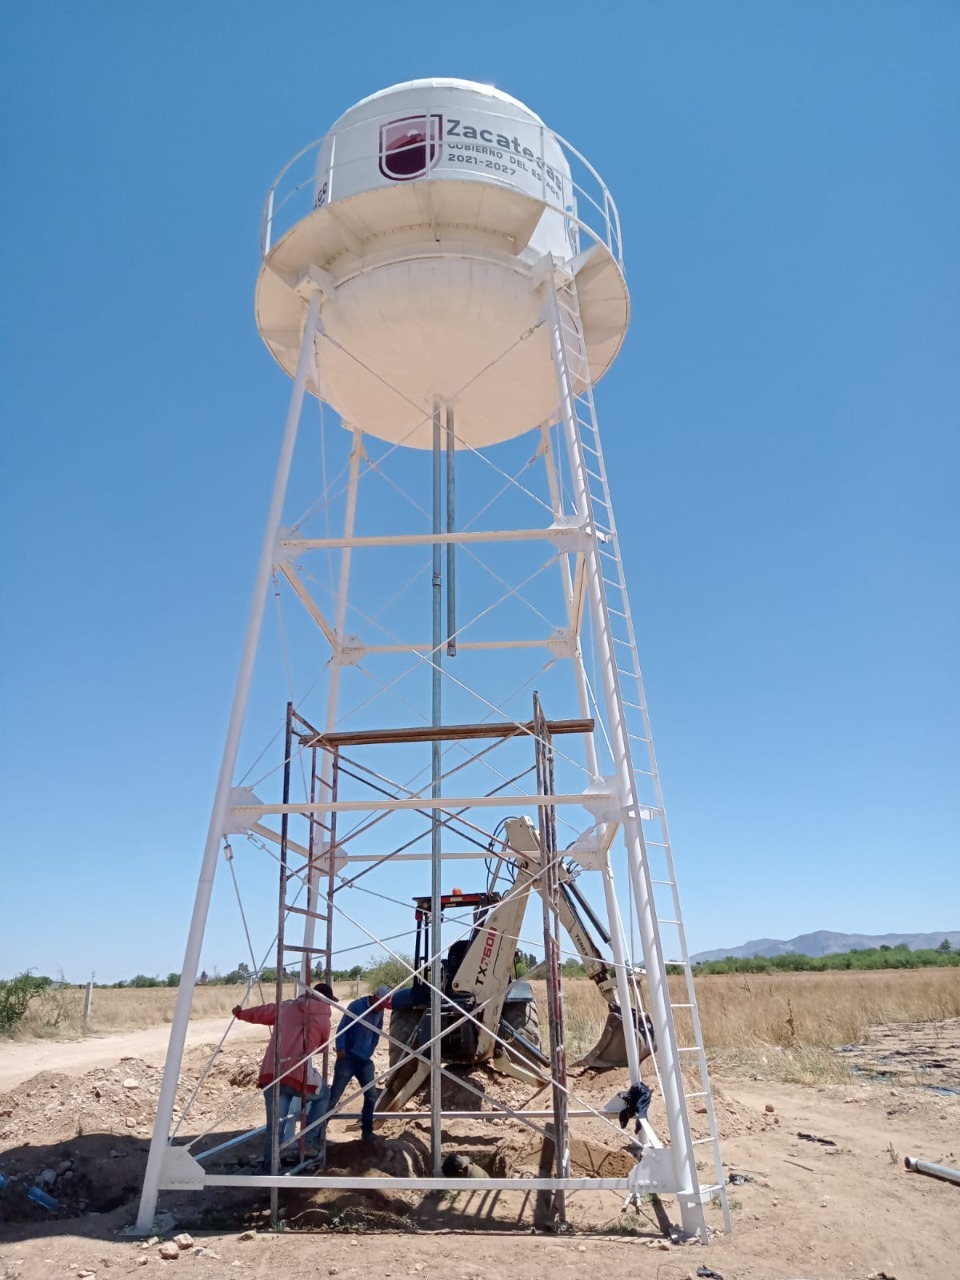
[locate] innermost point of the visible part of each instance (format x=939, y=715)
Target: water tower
x=443, y=273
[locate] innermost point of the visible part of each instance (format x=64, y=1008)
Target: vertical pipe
x=201, y=906
x=88, y=1003
x=548, y=884
x=278, y=996
x=451, y=546
x=311, y=858
x=331, y=884
x=320, y=1138
x=436, y=889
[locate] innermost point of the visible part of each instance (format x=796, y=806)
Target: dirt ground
x=819, y=1188
x=19, y=1060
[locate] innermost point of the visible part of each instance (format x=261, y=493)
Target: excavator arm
x=610, y=1051
x=479, y=975
x=588, y=951
x=486, y=969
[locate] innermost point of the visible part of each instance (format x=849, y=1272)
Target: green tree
x=388, y=972
x=945, y=946
x=237, y=977
x=16, y=995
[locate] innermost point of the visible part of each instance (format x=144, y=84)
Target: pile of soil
x=83, y=1140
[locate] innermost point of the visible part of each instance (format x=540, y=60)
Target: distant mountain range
x=824, y=943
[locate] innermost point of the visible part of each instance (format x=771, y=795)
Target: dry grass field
x=782, y=1025
x=786, y=1026
x=59, y=1013
x=821, y=1009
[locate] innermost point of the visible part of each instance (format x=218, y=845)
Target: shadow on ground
x=95, y=1180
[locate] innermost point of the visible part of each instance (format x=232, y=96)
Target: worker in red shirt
x=304, y=1029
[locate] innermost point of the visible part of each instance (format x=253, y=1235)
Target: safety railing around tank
x=588, y=208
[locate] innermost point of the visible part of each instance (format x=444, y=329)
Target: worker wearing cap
x=304, y=1028
x=357, y=1037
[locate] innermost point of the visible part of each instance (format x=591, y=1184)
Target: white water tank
x=436, y=207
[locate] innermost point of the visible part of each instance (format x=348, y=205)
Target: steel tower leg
x=691, y=1208
x=321, y=817
x=436, y=832
x=191, y=959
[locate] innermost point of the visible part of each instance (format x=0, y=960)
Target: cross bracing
x=539, y=604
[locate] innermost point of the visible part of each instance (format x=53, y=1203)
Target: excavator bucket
x=610, y=1051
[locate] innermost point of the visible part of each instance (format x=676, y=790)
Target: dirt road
x=18, y=1062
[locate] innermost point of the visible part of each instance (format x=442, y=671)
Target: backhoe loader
x=477, y=980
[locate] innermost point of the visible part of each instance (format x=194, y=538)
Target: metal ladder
x=293, y=879
x=298, y=876
x=656, y=837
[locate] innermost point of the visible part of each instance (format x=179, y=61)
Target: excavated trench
x=479, y=1151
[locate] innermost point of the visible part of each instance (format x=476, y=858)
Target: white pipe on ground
x=941, y=1171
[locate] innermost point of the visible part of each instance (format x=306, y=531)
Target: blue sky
x=781, y=427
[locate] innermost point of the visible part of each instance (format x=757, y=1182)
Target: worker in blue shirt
x=357, y=1037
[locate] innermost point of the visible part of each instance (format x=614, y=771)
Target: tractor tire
x=404, y=1024
x=524, y=1017
x=403, y=1027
